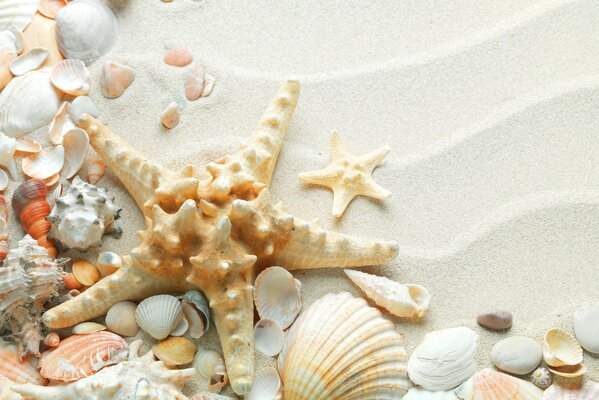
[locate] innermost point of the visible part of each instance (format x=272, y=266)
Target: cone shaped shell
x=175, y=351
x=267, y=385
x=70, y=76
x=492, y=385
x=588, y=391
x=158, y=315
x=277, y=297
x=121, y=319
x=340, y=348
x=560, y=349
x=52, y=339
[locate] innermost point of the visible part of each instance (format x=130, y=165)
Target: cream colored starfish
x=349, y=176
x=215, y=234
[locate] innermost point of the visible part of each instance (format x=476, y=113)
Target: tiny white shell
x=44, y=164
x=121, y=319
x=71, y=76
x=75, y=143
x=277, y=296
x=171, y=116
x=158, y=315
x=29, y=61
x=85, y=328
x=268, y=337
x=267, y=385
x=83, y=105
x=95, y=171
x=61, y=123
x=181, y=328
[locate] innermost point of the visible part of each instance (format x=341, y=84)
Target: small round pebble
x=517, y=354
x=495, y=320
x=586, y=327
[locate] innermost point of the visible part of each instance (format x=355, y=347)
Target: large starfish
x=214, y=234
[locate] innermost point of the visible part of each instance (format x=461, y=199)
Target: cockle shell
x=277, y=296
x=85, y=272
x=444, y=359
x=116, y=78
x=85, y=30
x=29, y=61
x=267, y=386
x=400, y=300
x=560, y=349
x=171, y=116
x=422, y=394
x=17, y=370
x=83, y=105
x=588, y=391
x=178, y=57
x=108, y=263
x=49, y=8
x=85, y=328
x=194, y=83
x=44, y=164
x=541, y=377
x=8, y=146
x=80, y=356
x=211, y=365
x=489, y=384
x=75, y=143
x=121, y=319
x=61, y=124
x=27, y=103
x=175, y=351
x=41, y=33
x=140, y=377
x=17, y=13
x=268, y=337
x=95, y=171
x=70, y=76
x=341, y=348
x=158, y=315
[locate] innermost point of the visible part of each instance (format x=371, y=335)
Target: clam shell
x=267, y=385
x=85, y=30
x=71, y=76
x=201, y=304
x=28, y=145
x=13, y=368
x=569, y=371
x=444, y=359
x=171, y=116
x=27, y=103
x=560, y=349
x=116, y=78
x=175, y=351
x=158, y=315
x=588, y=391
x=85, y=328
x=85, y=272
x=71, y=282
x=95, y=171
x=211, y=365
x=182, y=326
x=44, y=164
x=41, y=33
x=83, y=105
x=121, y=319
x=421, y=394
x=277, y=297
x=17, y=13
x=196, y=323
x=492, y=385
x=75, y=143
x=6, y=57
x=342, y=348
x=49, y=8
x=268, y=337
x=108, y=263
x=194, y=83
x=61, y=123
x=80, y=356
x=178, y=57
x=52, y=339
x=29, y=61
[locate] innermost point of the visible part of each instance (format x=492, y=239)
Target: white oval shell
x=158, y=315
x=83, y=105
x=588, y=391
x=586, y=327
x=489, y=384
x=44, y=164
x=17, y=13
x=277, y=297
x=121, y=319
x=8, y=146
x=560, y=349
x=29, y=61
x=70, y=76
x=267, y=385
x=268, y=337
x=85, y=328
x=75, y=143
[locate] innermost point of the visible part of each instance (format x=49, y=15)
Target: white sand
x=490, y=109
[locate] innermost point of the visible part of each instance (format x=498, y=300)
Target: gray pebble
x=495, y=320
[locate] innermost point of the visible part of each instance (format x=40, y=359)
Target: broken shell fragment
x=28, y=145
x=61, y=123
x=44, y=164
x=116, y=78
x=267, y=385
x=178, y=57
x=95, y=171
x=197, y=299
x=86, y=328
x=108, y=263
x=268, y=337
x=29, y=61
x=561, y=349
x=8, y=147
x=175, y=351
x=211, y=365
x=158, y=315
x=121, y=319
x=75, y=143
x=71, y=76
x=569, y=371
x=209, y=82
x=85, y=272
x=171, y=116
x=83, y=105
x=194, y=83
x=277, y=297
x=182, y=327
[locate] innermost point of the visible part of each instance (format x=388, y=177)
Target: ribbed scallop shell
x=340, y=348
x=121, y=319
x=560, y=349
x=277, y=296
x=70, y=76
x=588, y=391
x=17, y=13
x=174, y=351
x=159, y=315
x=16, y=370
x=489, y=384
x=267, y=386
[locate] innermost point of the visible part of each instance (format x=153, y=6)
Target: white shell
x=8, y=147
x=116, y=78
x=182, y=326
x=158, y=315
x=421, y=394
x=70, y=76
x=29, y=61
x=400, y=300
x=3, y=185
x=277, y=296
x=75, y=143
x=337, y=336
x=267, y=386
x=28, y=145
x=586, y=327
x=11, y=40
x=569, y=371
x=61, y=124
x=489, y=384
x=196, y=323
x=268, y=337
x=27, y=103
x=588, y=391
x=17, y=13
x=171, y=116
x=121, y=319
x=85, y=30
x=85, y=328
x=211, y=365
x=209, y=82
x=83, y=105
x=444, y=359
x=560, y=349
x=44, y=164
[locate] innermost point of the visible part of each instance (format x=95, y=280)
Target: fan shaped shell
x=489, y=384
x=277, y=296
x=17, y=370
x=70, y=76
x=159, y=315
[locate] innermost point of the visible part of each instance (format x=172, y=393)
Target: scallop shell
x=560, y=349
x=28, y=145
x=80, y=356
x=83, y=105
x=27, y=103
x=71, y=282
x=121, y=319
x=108, y=263
x=85, y=30
x=70, y=76
x=444, y=359
x=8, y=147
x=267, y=386
x=49, y=8
x=171, y=116
x=75, y=143
x=588, y=391
x=17, y=13
x=95, y=171
x=61, y=123
x=277, y=297
x=175, y=351
x=541, y=377
x=44, y=164
x=268, y=337
x=52, y=339
x=400, y=300
x=211, y=365
x=17, y=370
x=116, y=78
x=194, y=83
x=158, y=315
x=85, y=272
x=489, y=384
x=41, y=33
x=422, y=394
x=342, y=348
x=569, y=371
x=29, y=61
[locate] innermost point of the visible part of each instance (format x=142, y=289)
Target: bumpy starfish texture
x=349, y=176
x=214, y=234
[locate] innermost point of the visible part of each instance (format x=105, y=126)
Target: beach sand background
x=490, y=109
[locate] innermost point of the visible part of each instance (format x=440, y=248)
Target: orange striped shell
x=16, y=370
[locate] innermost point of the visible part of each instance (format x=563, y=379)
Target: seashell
x=5, y=391
x=95, y=171
x=492, y=385
x=444, y=359
x=517, y=355
x=560, y=349
x=49, y=8
x=421, y=394
x=400, y=300
x=3, y=225
x=277, y=297
x=6, y=57
x=211, y=365
x=175, y=351
x=139, y=377
x=209, y=82
x=158, y=315
x=17, y=13
x=198, y=300
x=194, y=83
x=83, y=105
x=267, y=386
x=178, y=57
x=171, y=116
x=569, y=371
x=268, y=337
x=56, y=193
x=342, y=348
x=586, y=327
x=51, y=180
x=28, y=145
x=41, y=33
x=8, y=146
x=116, y=78
x=83, y=215
x=495, y=320
x=52, y=340
x=85, y=273
x=182, y=326
x=61, y=123
x=71, y=282
x=210, y=396
x=86, y=328
x=80, y=356
x=29, y=61
x=70, y=76
x=17, y=370
x=108, y=263
x=44, y=164
x=588, y=391
x=31, y=208
x=11, y=40
x=121, y=319
x=75, y=143
x=85, y=30
x=3, y=182
x=541, y=377
x=195, y=322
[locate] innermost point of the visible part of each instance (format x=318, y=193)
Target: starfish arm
x=372, y=189
x=322, y=177
x=341, y=199
x=373, y=159
x=337, y=148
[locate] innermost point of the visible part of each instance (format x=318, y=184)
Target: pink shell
x=588, y=391
x=13, y=368
x=80, y=356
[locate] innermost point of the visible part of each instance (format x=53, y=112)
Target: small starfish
x=349, y=176
x=214, y=234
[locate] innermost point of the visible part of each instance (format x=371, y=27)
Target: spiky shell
x=489, y=384
x=588, y=391
x=124, y=381
x=82, y=215
x=340, y=348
